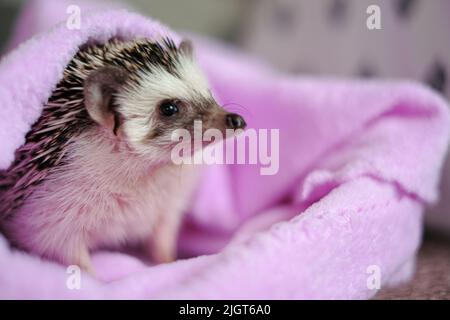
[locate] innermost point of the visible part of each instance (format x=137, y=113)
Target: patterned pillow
x=331, y=37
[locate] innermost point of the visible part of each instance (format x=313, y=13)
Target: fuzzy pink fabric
x=359, y=161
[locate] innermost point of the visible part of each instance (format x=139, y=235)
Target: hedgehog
x=95, y=170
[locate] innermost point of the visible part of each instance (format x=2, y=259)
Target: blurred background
x=311, y=37
x=320, y=38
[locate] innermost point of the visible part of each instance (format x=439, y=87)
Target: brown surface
x=432, y=277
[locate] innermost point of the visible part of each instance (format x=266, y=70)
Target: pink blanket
x=359, y=161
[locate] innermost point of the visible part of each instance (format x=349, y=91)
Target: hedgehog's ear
x=99, y=89
x=187, y=48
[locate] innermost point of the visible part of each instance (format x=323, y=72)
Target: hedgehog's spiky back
x=64, y=115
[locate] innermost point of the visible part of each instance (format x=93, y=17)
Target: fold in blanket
x=358, y=163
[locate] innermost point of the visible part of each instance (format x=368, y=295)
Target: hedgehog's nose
x=235, y=121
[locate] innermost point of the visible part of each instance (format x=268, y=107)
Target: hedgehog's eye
x=169, y=108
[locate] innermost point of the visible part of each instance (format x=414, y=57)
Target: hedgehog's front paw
x=163, y=253
x=82, y=259
x=163, y=243
x=89, y=268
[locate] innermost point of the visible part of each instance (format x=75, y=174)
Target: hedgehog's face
x=152, y=106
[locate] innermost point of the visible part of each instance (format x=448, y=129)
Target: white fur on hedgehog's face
x=147, y=107
x=148, y=126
